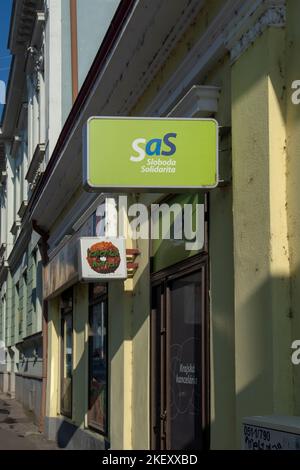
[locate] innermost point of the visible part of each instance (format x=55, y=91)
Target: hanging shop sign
x=102, y=258
x=145, y=154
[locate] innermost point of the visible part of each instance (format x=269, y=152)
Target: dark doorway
x=98, y=358
x=179, y=359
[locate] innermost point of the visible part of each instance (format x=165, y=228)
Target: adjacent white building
x=53, y=44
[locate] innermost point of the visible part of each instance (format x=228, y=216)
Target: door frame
x=63, y=314
x=184, y=268
x=92, y=302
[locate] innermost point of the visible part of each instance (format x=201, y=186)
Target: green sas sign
x=145, y=154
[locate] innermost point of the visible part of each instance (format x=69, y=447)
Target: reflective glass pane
x=98, y=367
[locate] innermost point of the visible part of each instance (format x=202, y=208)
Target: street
x=17, y=430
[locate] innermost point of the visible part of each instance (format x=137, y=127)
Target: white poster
x=102, y=258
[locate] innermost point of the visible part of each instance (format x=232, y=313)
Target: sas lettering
x=155, y=147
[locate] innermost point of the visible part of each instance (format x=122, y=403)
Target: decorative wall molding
x=248, y=27
x=23, y=24
x=16, y=142
x=209, y=48
x=170, y=37
x=15, y=227
x=34, y=66
x=38, y=30
x=15, y=255
x=119, y=87
x=3, y=177
x=236, y=26
x=199, y=101
x=22, y=209
x=35, y=164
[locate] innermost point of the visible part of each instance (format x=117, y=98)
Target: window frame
x=161, y=280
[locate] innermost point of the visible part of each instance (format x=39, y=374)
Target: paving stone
x=17, y=428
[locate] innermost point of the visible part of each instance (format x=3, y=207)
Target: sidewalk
x=17, y=430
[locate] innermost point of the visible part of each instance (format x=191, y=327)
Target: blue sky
x=5, y=10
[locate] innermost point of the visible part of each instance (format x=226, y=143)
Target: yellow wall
x=254, y=249
x=120, y=366
x=53, y=383
x=80, y=354
x=129, y=308
x=293, y=175
x=128, y=338
x=223, y=404
x=178, y=54
x=223, y=431
x=141, y=351
x=261, y=262
x=80, y=357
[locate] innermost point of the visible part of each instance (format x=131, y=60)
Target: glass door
x=179, y=360
x=98, y=361
x=184, y=362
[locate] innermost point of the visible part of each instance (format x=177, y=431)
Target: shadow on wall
x=124, y=324
x=65, y=434
x=263, y=369
x=253, y=378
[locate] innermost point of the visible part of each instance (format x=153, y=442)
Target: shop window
x=167, y=251
x=98, y=364
x=66, y=353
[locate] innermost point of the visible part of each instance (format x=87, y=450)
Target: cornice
x=250, y=24
x=209, y=48
x=20, y=244
x=22, y=24
x=144, y=77
x=233, y=30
